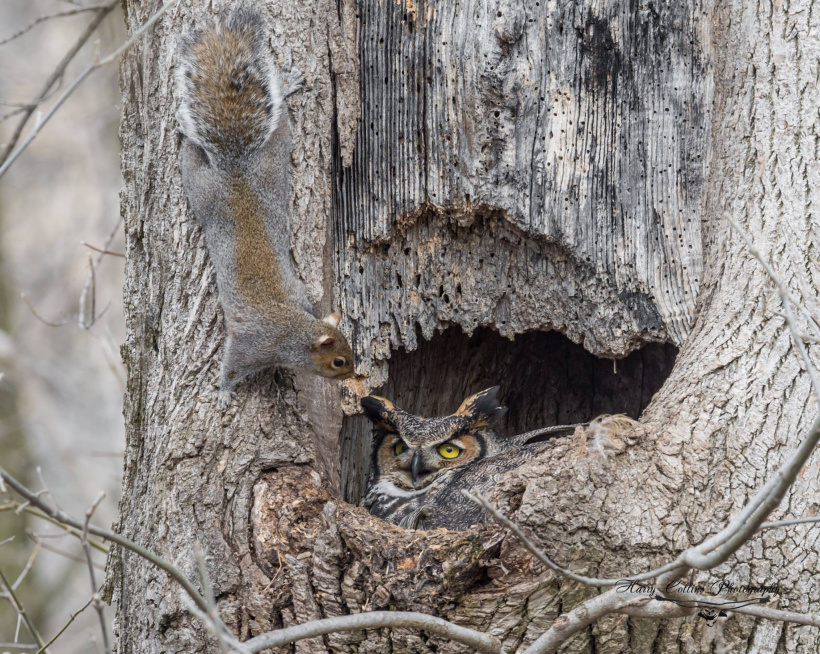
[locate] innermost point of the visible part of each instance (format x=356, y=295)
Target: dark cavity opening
x=545, y=380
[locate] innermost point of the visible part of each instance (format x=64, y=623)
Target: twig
x=55, y=76
x=101, y=250
x=33, y=511
x=11, y=158
x=785, y=298
x=18, y=646
x=49, y=323
x=107, y=534
x=567, y=625
x=226, y=639
x=788, y=523
x=705, y=559
x=65, y=626
x=60, y=552
x=42, y=19
x=21, y=612
x=27, y=567
x=90, y=283
x=539, y=554
x=95, y=598
x=374, y=620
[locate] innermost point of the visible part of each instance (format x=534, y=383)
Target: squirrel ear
x=323, y=341
x=482, y=407
x=332, y=319
x=379, y=410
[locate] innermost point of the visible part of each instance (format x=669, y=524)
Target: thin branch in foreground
x=373, y=620
x=21, y=508
x=552, y=565
x=9, y=159
x=60, y=552
x=788, y=523
x=786, y=299
x=107, y=534
x=226, y=638
x=437, y=626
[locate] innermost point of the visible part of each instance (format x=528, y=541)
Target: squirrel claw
x=225, y=398
x=293, y=81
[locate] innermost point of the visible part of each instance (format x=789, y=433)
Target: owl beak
x=418, y=467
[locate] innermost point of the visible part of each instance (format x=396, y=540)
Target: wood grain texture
x=531, y=165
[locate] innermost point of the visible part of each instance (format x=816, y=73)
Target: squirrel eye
x=338, y=362
x=449, y=451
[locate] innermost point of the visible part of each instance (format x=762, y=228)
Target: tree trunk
x=498, y=169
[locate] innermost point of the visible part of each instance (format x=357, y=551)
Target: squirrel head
x=330, y=351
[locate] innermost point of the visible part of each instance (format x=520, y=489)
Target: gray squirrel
x=234, y=162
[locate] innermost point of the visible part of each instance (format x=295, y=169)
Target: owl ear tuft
x=379, y=411
x=483, y=408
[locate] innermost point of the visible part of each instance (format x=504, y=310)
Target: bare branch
x=374, y=620
x=788, y=523
x=539, y=554
x=38, y=538
x=21, y=612
x=102, y=251
x=55, y=77
x=704, y=559
x=567, y=625
x=19, y=508
x=226, y=638
x=786, y=299
x=42, y=19
x=107, y=534
x=9, y=159
x=65, y=626
x=95, y=598
x=27, y=567
x=49, y=323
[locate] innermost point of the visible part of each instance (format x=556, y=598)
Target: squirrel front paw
x=292, y=81
x=225, y=398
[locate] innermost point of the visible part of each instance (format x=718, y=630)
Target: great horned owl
x=420, y=465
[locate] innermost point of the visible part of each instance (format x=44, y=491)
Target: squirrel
x=234, y=164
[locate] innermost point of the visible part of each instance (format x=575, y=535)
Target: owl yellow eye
x=449, y=451
x=398, y=448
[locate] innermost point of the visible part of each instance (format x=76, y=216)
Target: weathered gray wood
x=604, y=266
x=526, y=166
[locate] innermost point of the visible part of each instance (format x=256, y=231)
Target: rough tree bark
x=506, y=166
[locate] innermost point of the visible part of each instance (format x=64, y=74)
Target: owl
x=420, y=465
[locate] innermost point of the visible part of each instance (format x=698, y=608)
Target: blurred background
x=62, y=377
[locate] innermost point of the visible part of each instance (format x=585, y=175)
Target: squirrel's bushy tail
x=230, y=92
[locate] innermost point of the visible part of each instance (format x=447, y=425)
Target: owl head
x=412, y=452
